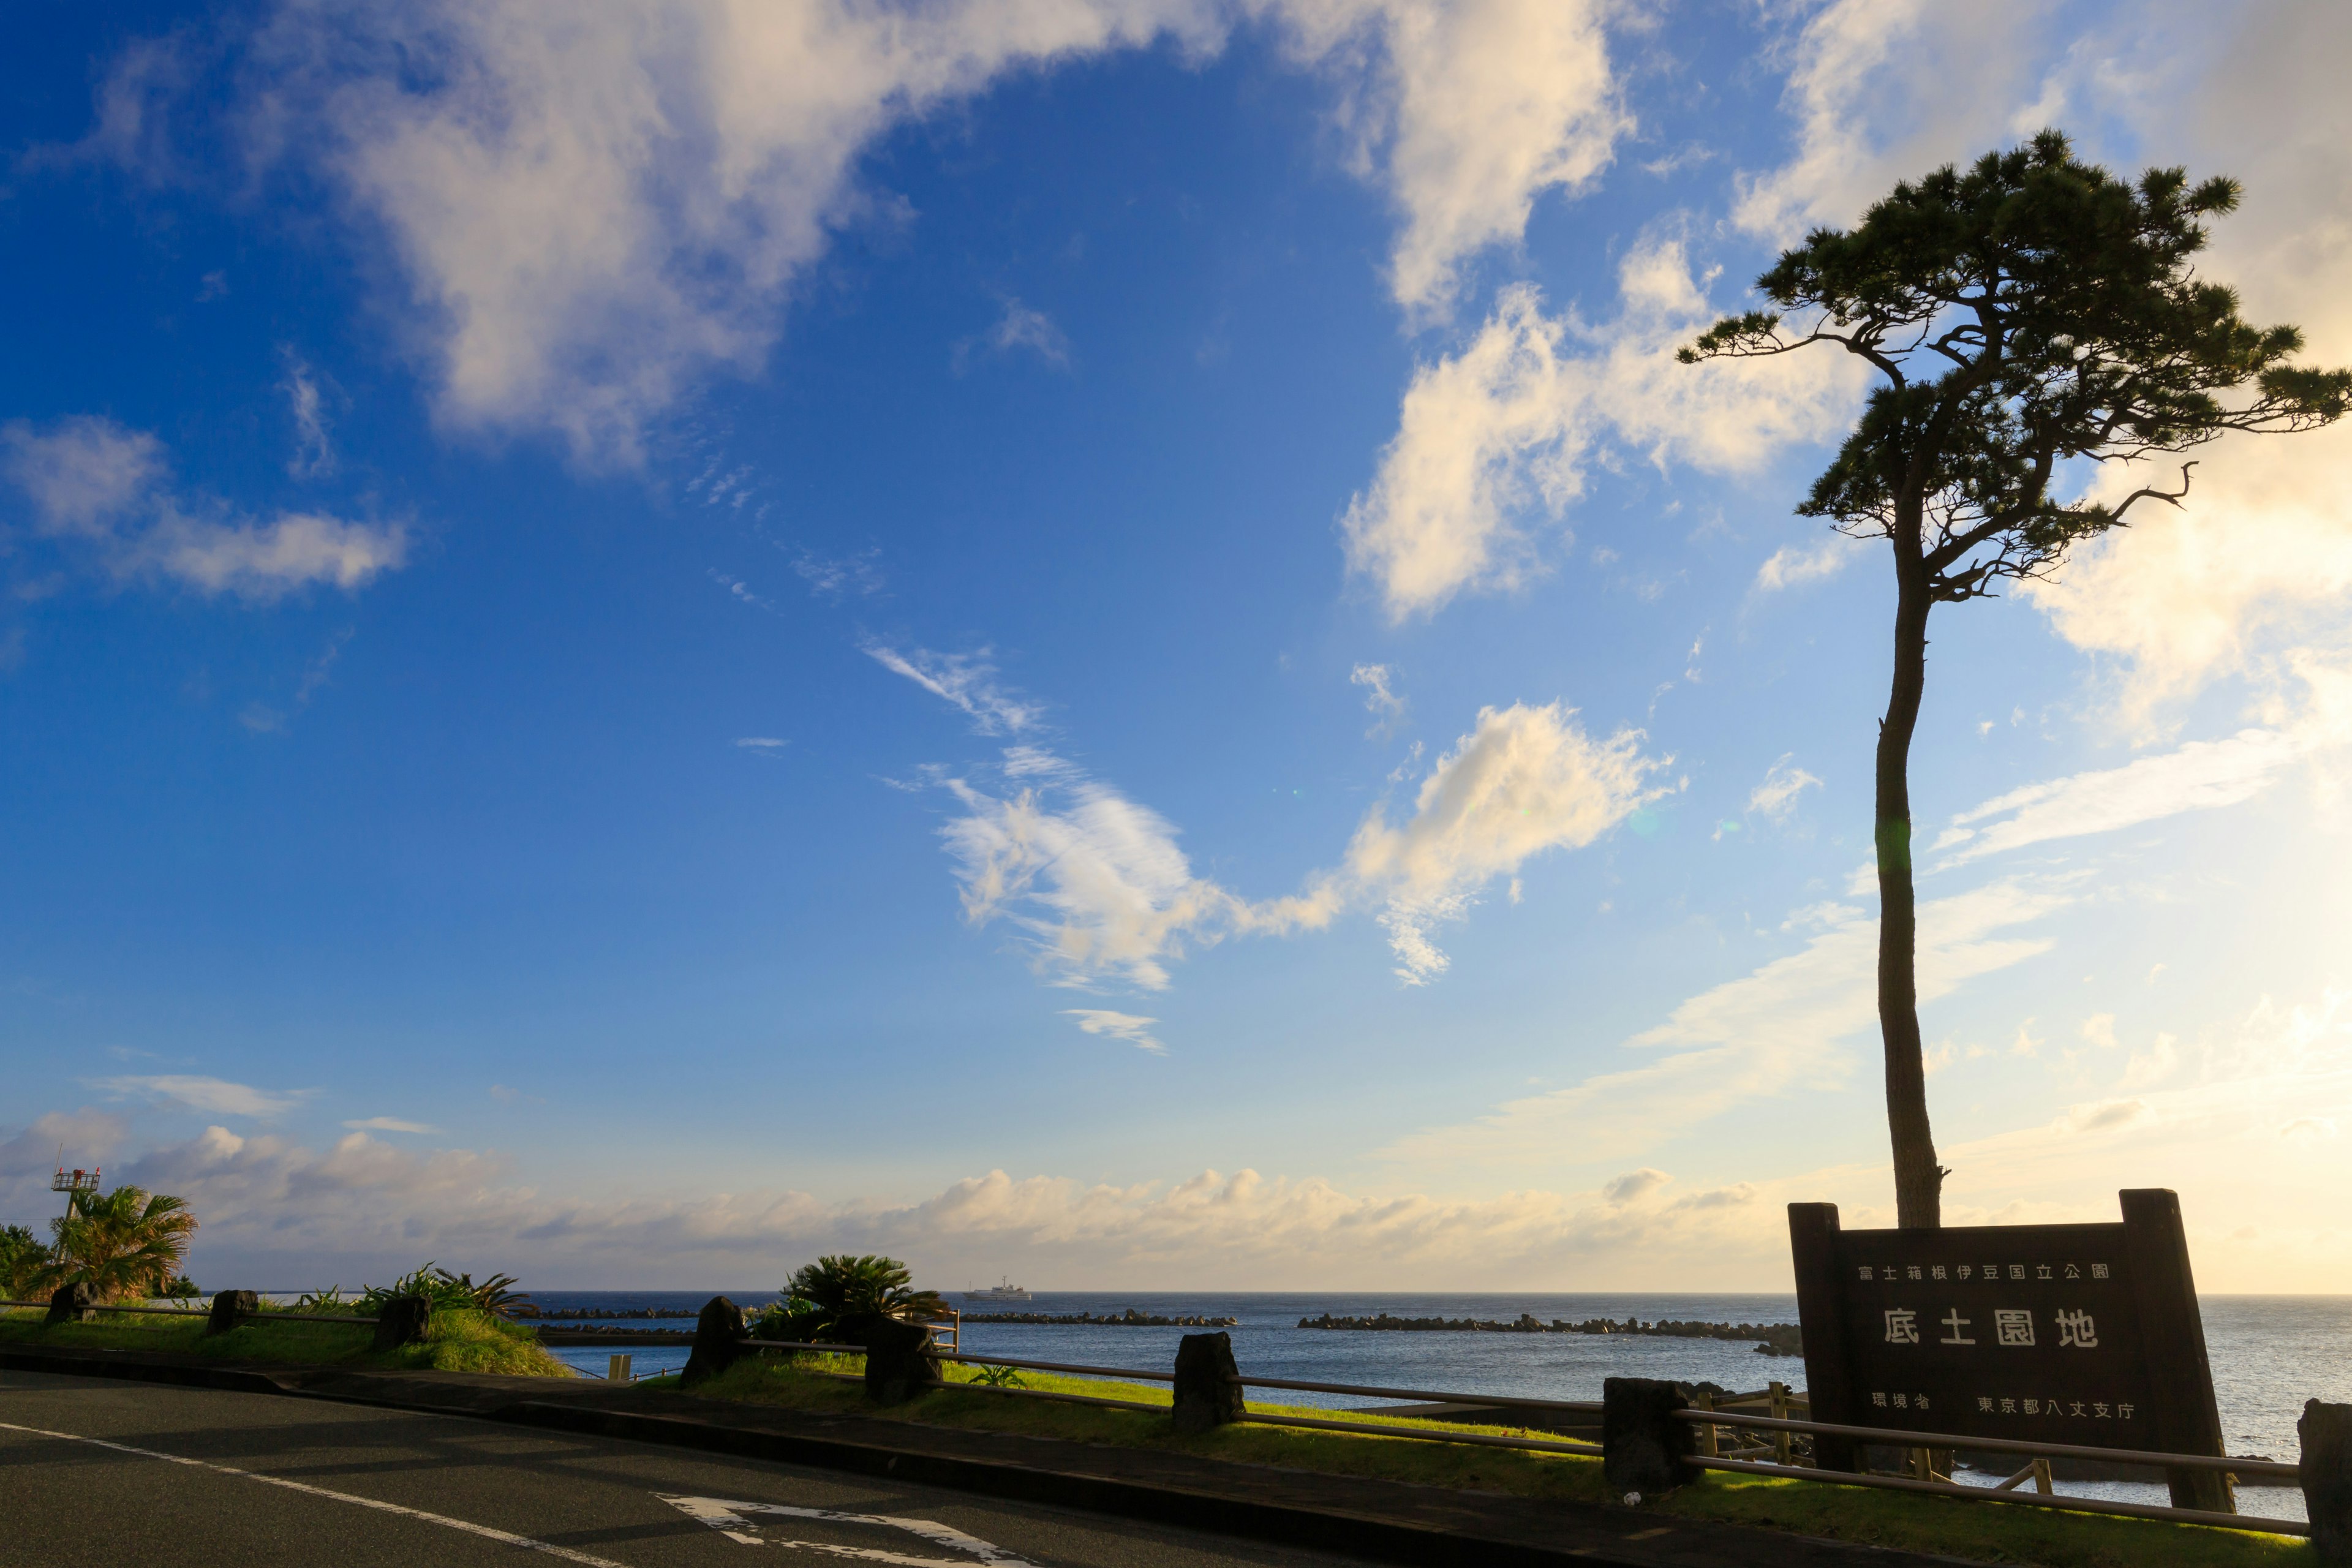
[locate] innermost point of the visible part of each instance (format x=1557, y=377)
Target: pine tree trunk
x=1918, y=1181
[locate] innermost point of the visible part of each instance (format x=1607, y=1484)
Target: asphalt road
x=99, y=1472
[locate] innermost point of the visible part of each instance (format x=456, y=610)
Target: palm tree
x=127, y=1244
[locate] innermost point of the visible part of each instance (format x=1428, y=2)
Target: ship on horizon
x=1002, y=1290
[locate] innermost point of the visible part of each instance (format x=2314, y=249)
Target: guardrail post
x=73, y=1304
x=1208, y=1385
x=717, y=1340
x=899, y=1362
x=1642, y=1446
x=402, y=1321
x=2326, y=1464
x=231, y=1307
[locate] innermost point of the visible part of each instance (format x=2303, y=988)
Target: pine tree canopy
x=2033, y=310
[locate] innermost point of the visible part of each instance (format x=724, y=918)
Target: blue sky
x=1098, y=640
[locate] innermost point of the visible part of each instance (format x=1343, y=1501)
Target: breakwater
x=1773, y=1338
x=1130, y=1319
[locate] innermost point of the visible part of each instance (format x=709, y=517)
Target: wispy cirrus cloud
x=1776, y=797
x=1380, y=699
x=216, y=1095
x=1018, y=327
x=1783, y=1028
x=387, y=1124
x=969, y=682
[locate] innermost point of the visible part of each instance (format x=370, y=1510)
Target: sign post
x=2088, y=1334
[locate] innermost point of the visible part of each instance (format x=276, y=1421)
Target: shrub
x=21, y=1258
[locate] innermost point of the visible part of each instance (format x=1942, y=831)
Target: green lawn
x=453, y=1341
x=1991, y=1532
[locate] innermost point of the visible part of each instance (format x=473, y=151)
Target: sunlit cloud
x=1493, y=443
x=1136, y=1031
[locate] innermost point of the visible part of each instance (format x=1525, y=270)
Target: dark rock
x=1642, y=1443
x=2326, y=1434
x=1206, y=1393
x=402, y=1321
x=73, y=1303
x=899, y=1363
x=717, y=1340
x=231, y=1307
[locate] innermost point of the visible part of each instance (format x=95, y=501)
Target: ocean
x=2269, y=1354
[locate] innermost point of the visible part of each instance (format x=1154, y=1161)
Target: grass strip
x=1984, y=1532
x=455, y=1341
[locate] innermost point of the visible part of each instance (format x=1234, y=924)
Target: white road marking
x=485, y=1531
x=727, y=1518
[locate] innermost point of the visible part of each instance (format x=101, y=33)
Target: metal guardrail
x=1896, y=1438
x=2023, y=1500
x=271, y=1313
x=1882, y=1436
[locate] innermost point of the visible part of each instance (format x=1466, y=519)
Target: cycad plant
x=833, y=1300
x=126, y=1245
x=446, y=1290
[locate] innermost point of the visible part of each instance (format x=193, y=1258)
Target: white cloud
x=1524, y=780
x=93, y=482
x=1021, y=326
x=217, y=1095
x=1475, y=110
x=83, y=473
x=1505, y=428
x=590, y=217
x=1775, y=797
x=387, y=1124
x=265, y=561
x=967, y=680
x=1793, y=565
x=1101, y=890
x=1778, y=1031
x=1380, y=700
x=763, y=746
x=1095, y=880
x=1134, y=1030
x=314, y=446
x=1887, y=90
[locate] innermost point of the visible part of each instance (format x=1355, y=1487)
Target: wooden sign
x=2052, y=1334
